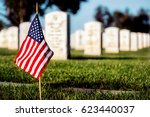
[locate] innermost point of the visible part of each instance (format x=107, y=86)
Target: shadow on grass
x=103, y=85
x=143, y=54
x=7, y=52
x=113, y=58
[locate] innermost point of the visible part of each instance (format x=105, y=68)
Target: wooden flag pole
x=40, y=89
x=36, y=7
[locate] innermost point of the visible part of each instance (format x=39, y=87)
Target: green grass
x=127, y=71
x=141, y=54
x=103, y=74
x=6, y=52
x=10, y=91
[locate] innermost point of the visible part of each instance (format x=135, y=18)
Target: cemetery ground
x=110, y=76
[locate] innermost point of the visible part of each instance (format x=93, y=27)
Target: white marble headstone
x=144, y=40
x=134, y=41
x=56, y=31
x=92, y=38
x=79, y=40
x=112, y=35
x=124, y=40
x=24, y=28
x=140, y=40
x=147, y=40
x=72, y=41
x=3, y=39
x=12, y=36
x=104, y=40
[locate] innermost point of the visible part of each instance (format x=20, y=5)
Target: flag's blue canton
x=35, y=31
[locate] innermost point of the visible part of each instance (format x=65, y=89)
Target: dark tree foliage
x=66, y=5
x=138, y=23
x=1, y=24
x=103, y=15
x=21, y=10
x=141, y=22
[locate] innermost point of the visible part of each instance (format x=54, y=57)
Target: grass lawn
x=126, y=71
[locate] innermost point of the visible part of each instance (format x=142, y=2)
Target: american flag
x=34, y=53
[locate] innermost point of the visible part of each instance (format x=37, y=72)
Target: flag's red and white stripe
x=33, y=56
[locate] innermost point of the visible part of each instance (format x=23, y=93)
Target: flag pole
x=40, y=90
x=36, y=7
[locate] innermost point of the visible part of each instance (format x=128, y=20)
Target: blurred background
x=130, y=14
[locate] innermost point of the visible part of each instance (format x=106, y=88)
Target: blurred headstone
x=24, y=28
x=57, y=34
x=104, y=40
x=12, y=36
x=79, y=40
x=134, y=41
x=3, y=39
x=124, y=40
x=72, y=41
x=112, y=35
x=140, y=40
x=147, y=40
x=144, y=40
x=92, y=38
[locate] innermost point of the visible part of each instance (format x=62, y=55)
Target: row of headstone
x=128, y=41
x=56, y=34
x=113, y=40
x=9, y=37
x=91, y=40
